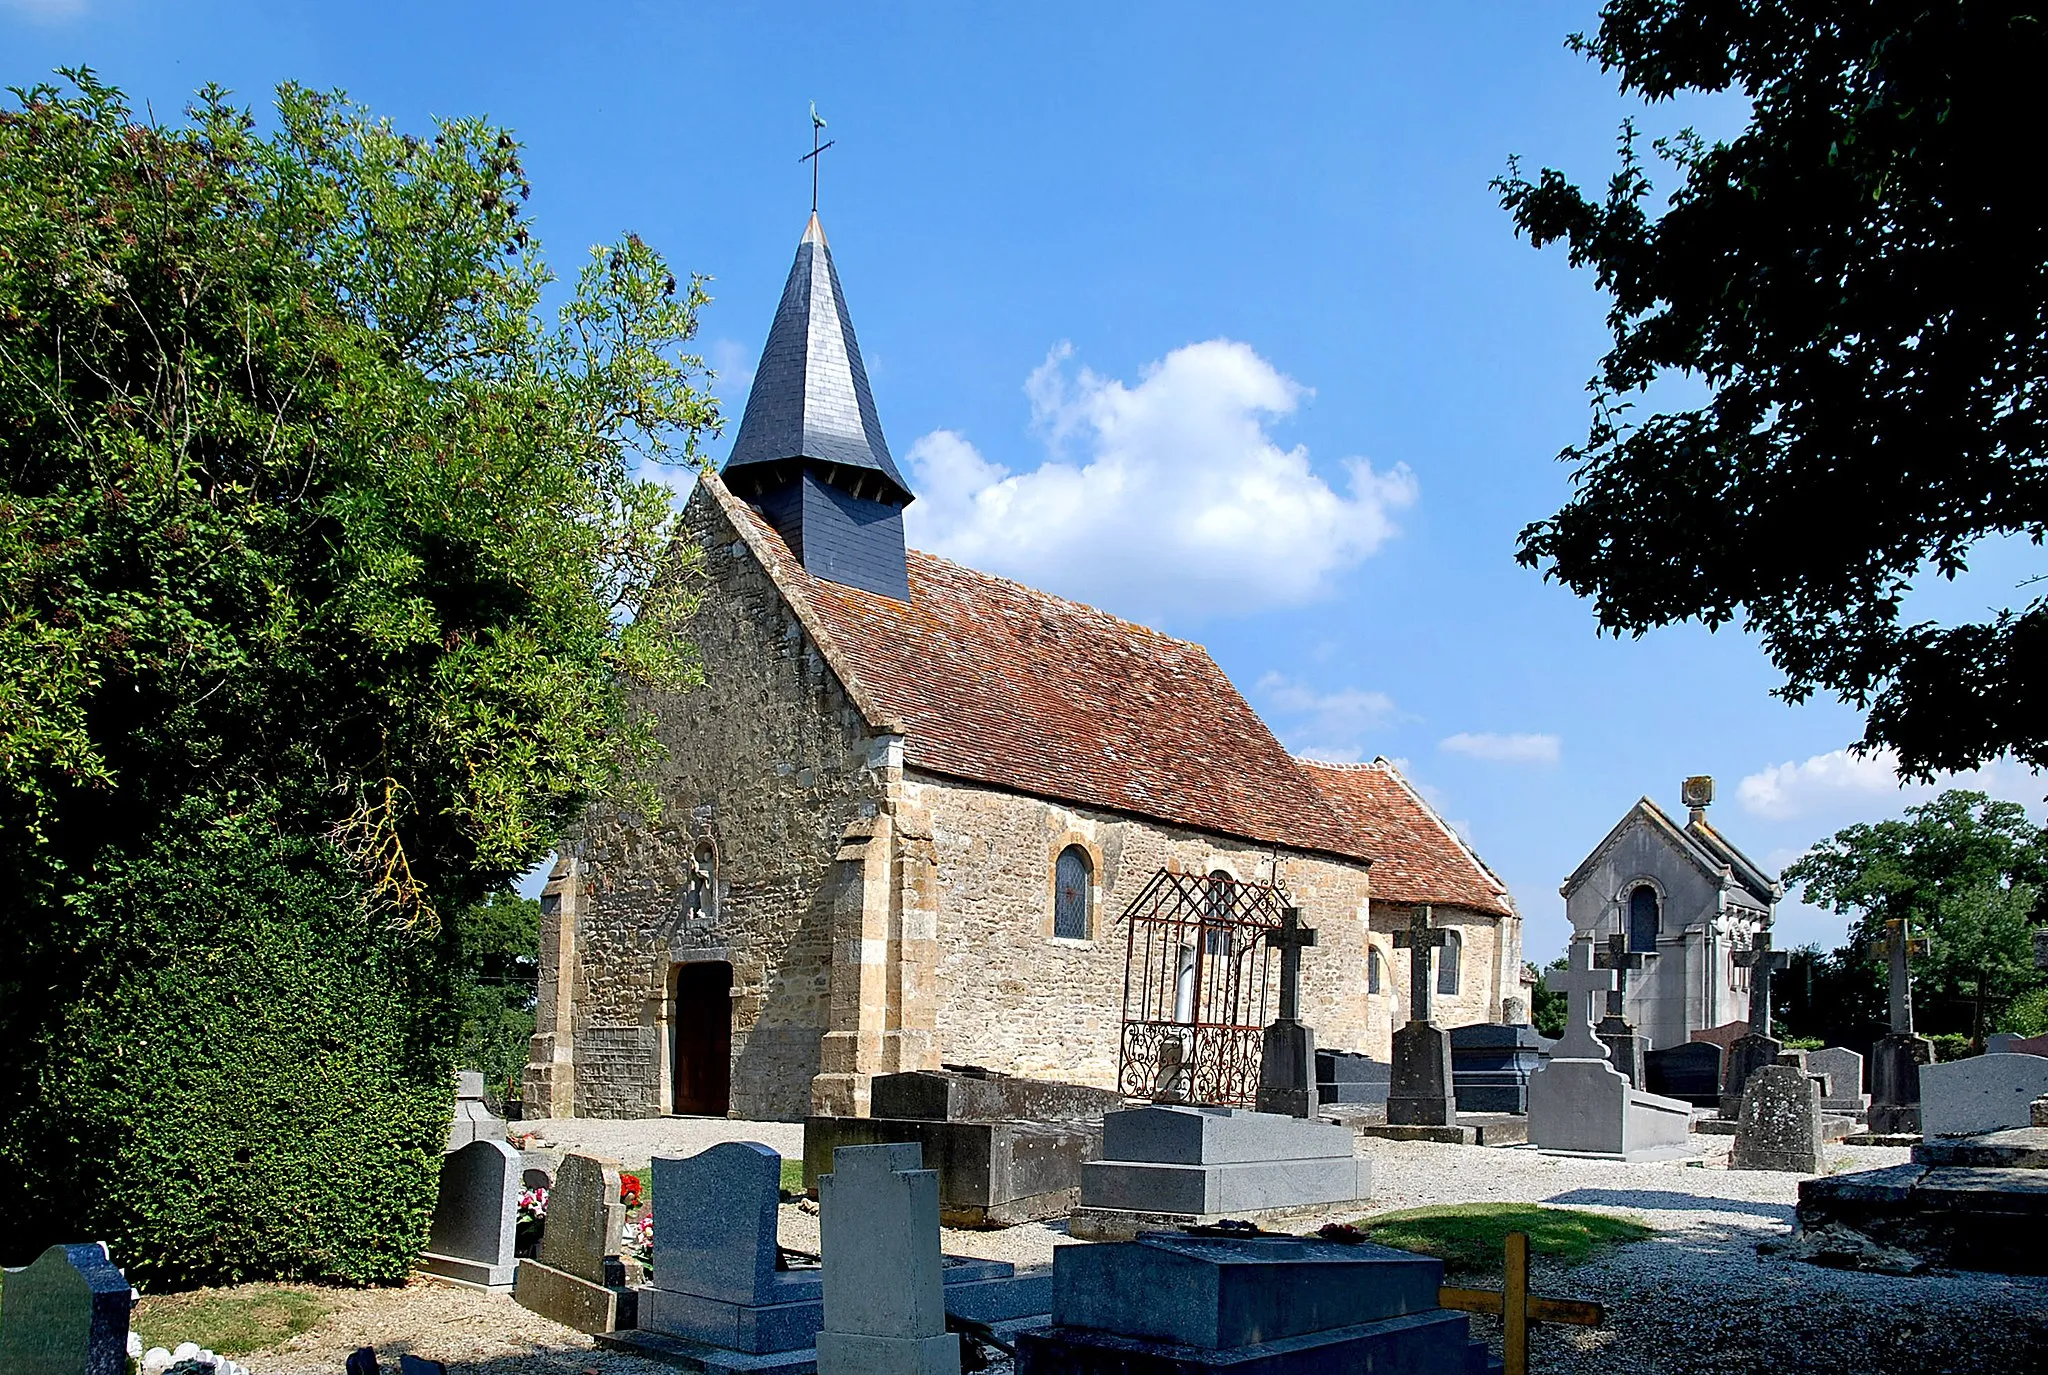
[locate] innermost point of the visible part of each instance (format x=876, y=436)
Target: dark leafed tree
x=1859, y=279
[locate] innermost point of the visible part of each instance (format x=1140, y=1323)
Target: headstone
x=66, y=1313
x=1984, y=1093
x=2012, y=1043
x=1491, y=1065
x=1514, y=1010
x=1724, y=1036
x=1759, y=1048
x=1206, y=1305
x=884, y=1304
x=476, y=1217
x=1781, y=1122
x=1625, y=1049
x=579, y=1279
x=473, y=1121
x=721, y=1281
x=1844, y=1070
x=1423, y=1092
x=1287, y=1063
x=1691, y=1072
x=1344, y=1076
x=1896, y=1059
x=1175, y=1166
x=1578, y=1103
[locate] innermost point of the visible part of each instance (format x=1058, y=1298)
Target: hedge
x=247, y=1076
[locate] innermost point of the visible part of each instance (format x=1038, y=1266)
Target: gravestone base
x=1471, y=1129
x=991, y=1174
x=854, y=1353
x=1423, y=1091
x=469, y=1274
x=576, y=1302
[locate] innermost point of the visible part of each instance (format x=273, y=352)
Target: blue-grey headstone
x=65, y=1314
x=714, y=1222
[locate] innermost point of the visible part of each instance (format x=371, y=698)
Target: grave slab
x=1585, y=1107
x=476, y=1217
x=1344, y=1076
x=1912, y=1217
x=1274, y=1306
x=1983, y=1093
x=66, y=1313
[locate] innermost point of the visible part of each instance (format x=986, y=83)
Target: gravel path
x=1699, y=1297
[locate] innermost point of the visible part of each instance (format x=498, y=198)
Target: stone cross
x=1621, y=960
x=1896, y=946
x=1580, y=982
x=1289, y=939
x=1761, y=961
x=1419, y=941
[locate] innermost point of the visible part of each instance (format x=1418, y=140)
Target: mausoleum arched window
x=1448, y=960
x=1643, y=918
x=1073, y=891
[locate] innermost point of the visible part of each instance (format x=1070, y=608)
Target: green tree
x=324, y=556
x=1861, y=284
x=1967, y=872
x=1548, y=1007
x=500, y=969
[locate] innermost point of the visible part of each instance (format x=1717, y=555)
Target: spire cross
x=1896, y=945
x=817, y=127
x=1289, y=938
x=1619, y=958
x=1762, y=962
x=1580, y=981
x=1420, y=940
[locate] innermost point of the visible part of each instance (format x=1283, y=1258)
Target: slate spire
x=810, y=455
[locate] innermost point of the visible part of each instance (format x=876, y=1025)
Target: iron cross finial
x=817, y=128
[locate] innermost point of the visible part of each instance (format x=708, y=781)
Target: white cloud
x=1840, y=779
x=1502, y=749
x=1167, y=498
x=1330, y=726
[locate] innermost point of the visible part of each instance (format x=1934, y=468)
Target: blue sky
x=1201, y=313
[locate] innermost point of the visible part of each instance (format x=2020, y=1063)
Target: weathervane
x=817, y=127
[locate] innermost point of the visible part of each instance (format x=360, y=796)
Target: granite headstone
x=1844, y=1071
x=66, y=1313
x=1691, y=1071
x=476, y=1217
x=1984, y=1093
x=884, y=1301
x=579, y=1278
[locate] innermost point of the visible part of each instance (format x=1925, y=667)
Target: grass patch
x=1471, y=1236
x=233, y=1322
x=792, y=1176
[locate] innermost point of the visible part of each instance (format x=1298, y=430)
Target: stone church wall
x=1016, y=998
x=771, y=762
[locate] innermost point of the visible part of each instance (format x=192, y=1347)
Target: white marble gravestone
x=885, y=1307
x=66, y=1314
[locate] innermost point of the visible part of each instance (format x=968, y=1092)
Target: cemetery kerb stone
x=1844, y=1071
x=1169, y=1165
x=578, y=1279
x=1691, y=1072
x=1578, y=1103
x=476, y=1217
x=885, y=1315
x=1983, y=1093
x=1189, y=1305
x=1424, y=1090
x=1007, y=1150
x=718, y=1287
x=1287, y=1061
x=1781, y=1123
x=66, y=1313
x=1345, y=1076
x=1491, y=1065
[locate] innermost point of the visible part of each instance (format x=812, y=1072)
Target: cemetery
x=541, y=843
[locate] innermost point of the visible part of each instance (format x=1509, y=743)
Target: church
x=1686, y=901
x=919, y=815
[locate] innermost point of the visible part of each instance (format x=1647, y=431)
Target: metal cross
x=1619, y=958
x=1580, y=981
x=1289, y=940
x=1420, y=940
x=817, y=127
x=1897, y=944
x=1761, y=961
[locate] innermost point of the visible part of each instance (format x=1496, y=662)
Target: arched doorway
x=701, y=1085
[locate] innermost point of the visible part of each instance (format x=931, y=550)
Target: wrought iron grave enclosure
x=1198, y=972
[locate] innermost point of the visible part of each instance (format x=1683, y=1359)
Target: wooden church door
x=702, y=1054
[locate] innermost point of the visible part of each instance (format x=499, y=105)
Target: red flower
x=629, y=1190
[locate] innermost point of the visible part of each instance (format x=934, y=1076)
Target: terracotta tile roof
x=993, y=681
x=1420, y=859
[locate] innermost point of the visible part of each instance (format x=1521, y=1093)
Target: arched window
x=1073, y=885
x=1447, y=963
x=1374, y=974
x=1642, y=919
